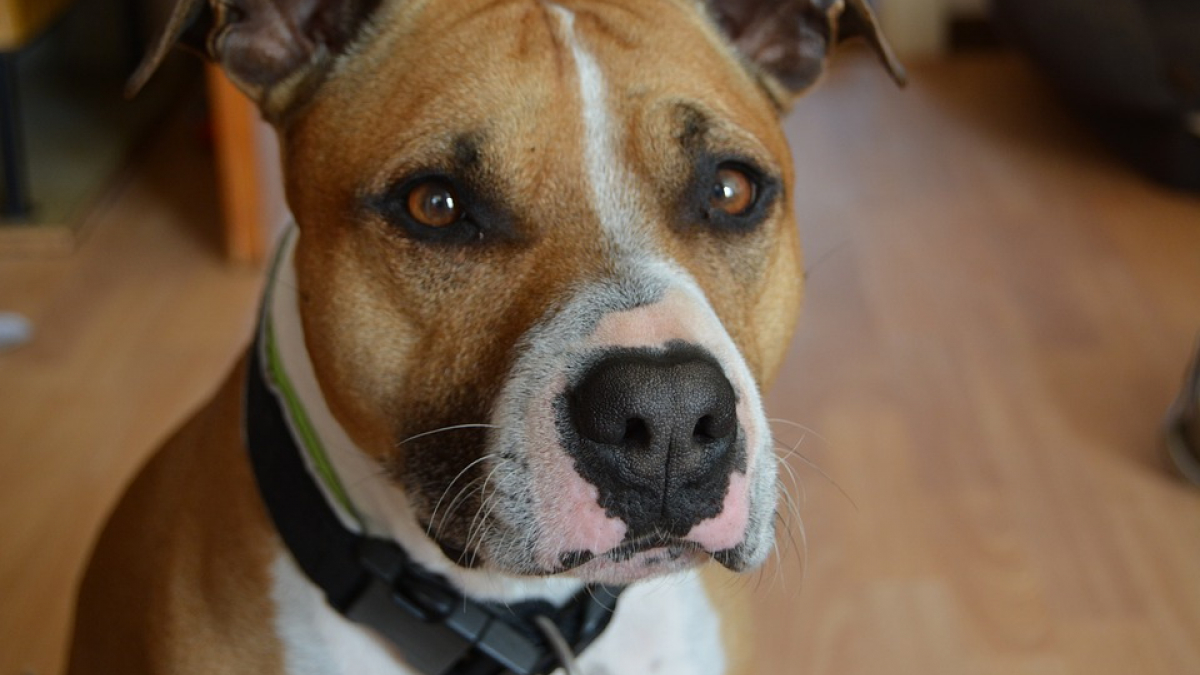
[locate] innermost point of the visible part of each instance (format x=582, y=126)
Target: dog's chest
x=664, y=627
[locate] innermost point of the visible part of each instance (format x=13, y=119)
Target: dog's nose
x=674, y=407
x=657, y=428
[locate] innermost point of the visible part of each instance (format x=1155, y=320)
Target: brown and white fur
x=585, y=134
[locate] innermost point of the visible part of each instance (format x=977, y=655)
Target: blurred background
x=987, y=414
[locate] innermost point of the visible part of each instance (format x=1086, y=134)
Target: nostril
x=710, y=428
x=703, y=431
x=637, y=432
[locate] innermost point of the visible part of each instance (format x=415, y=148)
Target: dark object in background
x=1131, y=67
x=1183, y=424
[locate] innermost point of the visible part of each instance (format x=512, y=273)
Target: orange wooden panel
x=236, y=128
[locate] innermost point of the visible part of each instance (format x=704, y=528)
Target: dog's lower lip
x=674, y=547
x=731, y=558
x=573, y=559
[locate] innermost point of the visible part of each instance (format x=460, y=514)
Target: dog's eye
x=439, y=210
x=733, y=192
x=433, y=203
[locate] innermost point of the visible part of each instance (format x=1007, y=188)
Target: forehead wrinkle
x=475, y=107
x=703, y=125
x=525, y=33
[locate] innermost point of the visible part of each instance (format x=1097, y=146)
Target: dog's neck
x=355, y=485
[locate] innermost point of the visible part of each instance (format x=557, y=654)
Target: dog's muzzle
x=630, y=441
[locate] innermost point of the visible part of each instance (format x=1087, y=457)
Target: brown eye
x=733, y=192
x=434, y=204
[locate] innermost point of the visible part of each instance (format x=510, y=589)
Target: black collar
x=374, y=582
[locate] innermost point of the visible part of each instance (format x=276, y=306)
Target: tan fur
x=727, y=591
x=404, y=336
x=193, y=534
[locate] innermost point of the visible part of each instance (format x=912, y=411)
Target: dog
x=504, y=398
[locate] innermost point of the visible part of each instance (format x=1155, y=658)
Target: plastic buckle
x=424, y=599
x=434, y=627
x=431, y=648
x=514, y=651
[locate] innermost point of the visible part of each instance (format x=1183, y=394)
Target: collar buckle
x=417, y=591
x=438, y=628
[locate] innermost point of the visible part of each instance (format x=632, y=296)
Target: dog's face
x=617, y=273
x=547, y=259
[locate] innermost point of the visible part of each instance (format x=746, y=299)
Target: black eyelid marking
x=699, y=208
x=711, y=146
x=463, y=167
x=486, y=219
x=467, y=154
x=391, y=205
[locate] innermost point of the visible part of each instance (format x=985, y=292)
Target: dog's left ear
x=275, y=51
x=789, y=41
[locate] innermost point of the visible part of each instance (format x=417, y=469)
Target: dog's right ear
x=276, y=51
x=787, y=42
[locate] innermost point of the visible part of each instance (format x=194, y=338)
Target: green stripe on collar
x=302, y=427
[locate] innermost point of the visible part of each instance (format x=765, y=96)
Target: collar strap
x=375, y=583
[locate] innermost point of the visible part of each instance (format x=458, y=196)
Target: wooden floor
x=998, y=314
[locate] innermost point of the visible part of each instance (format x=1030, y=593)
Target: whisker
x=478, y=523
x=481, y=529
x=794, y=449
x=469, y=490
x=455, y=427
x=824, y=257
x=796, y=484
x=794, y=511
x=777, y=555
x=827, y=477
x=438, y=505
x=790, y=503
x=801, y=427
x=466, y=492
x=777, y=579
x=803, y=551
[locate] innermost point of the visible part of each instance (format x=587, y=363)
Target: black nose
x=656, y=432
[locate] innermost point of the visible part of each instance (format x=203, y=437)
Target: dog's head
x=547, y=256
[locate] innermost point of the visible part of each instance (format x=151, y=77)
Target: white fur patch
x=665, y=626
x=317, y=640
x=662, y=627
x=613, y=197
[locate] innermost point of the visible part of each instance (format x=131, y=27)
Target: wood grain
x=998, y=314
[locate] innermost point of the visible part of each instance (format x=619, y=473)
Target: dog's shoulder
x=189, y=537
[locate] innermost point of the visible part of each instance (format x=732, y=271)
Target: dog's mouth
x=636, y=559
x=633, y=560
